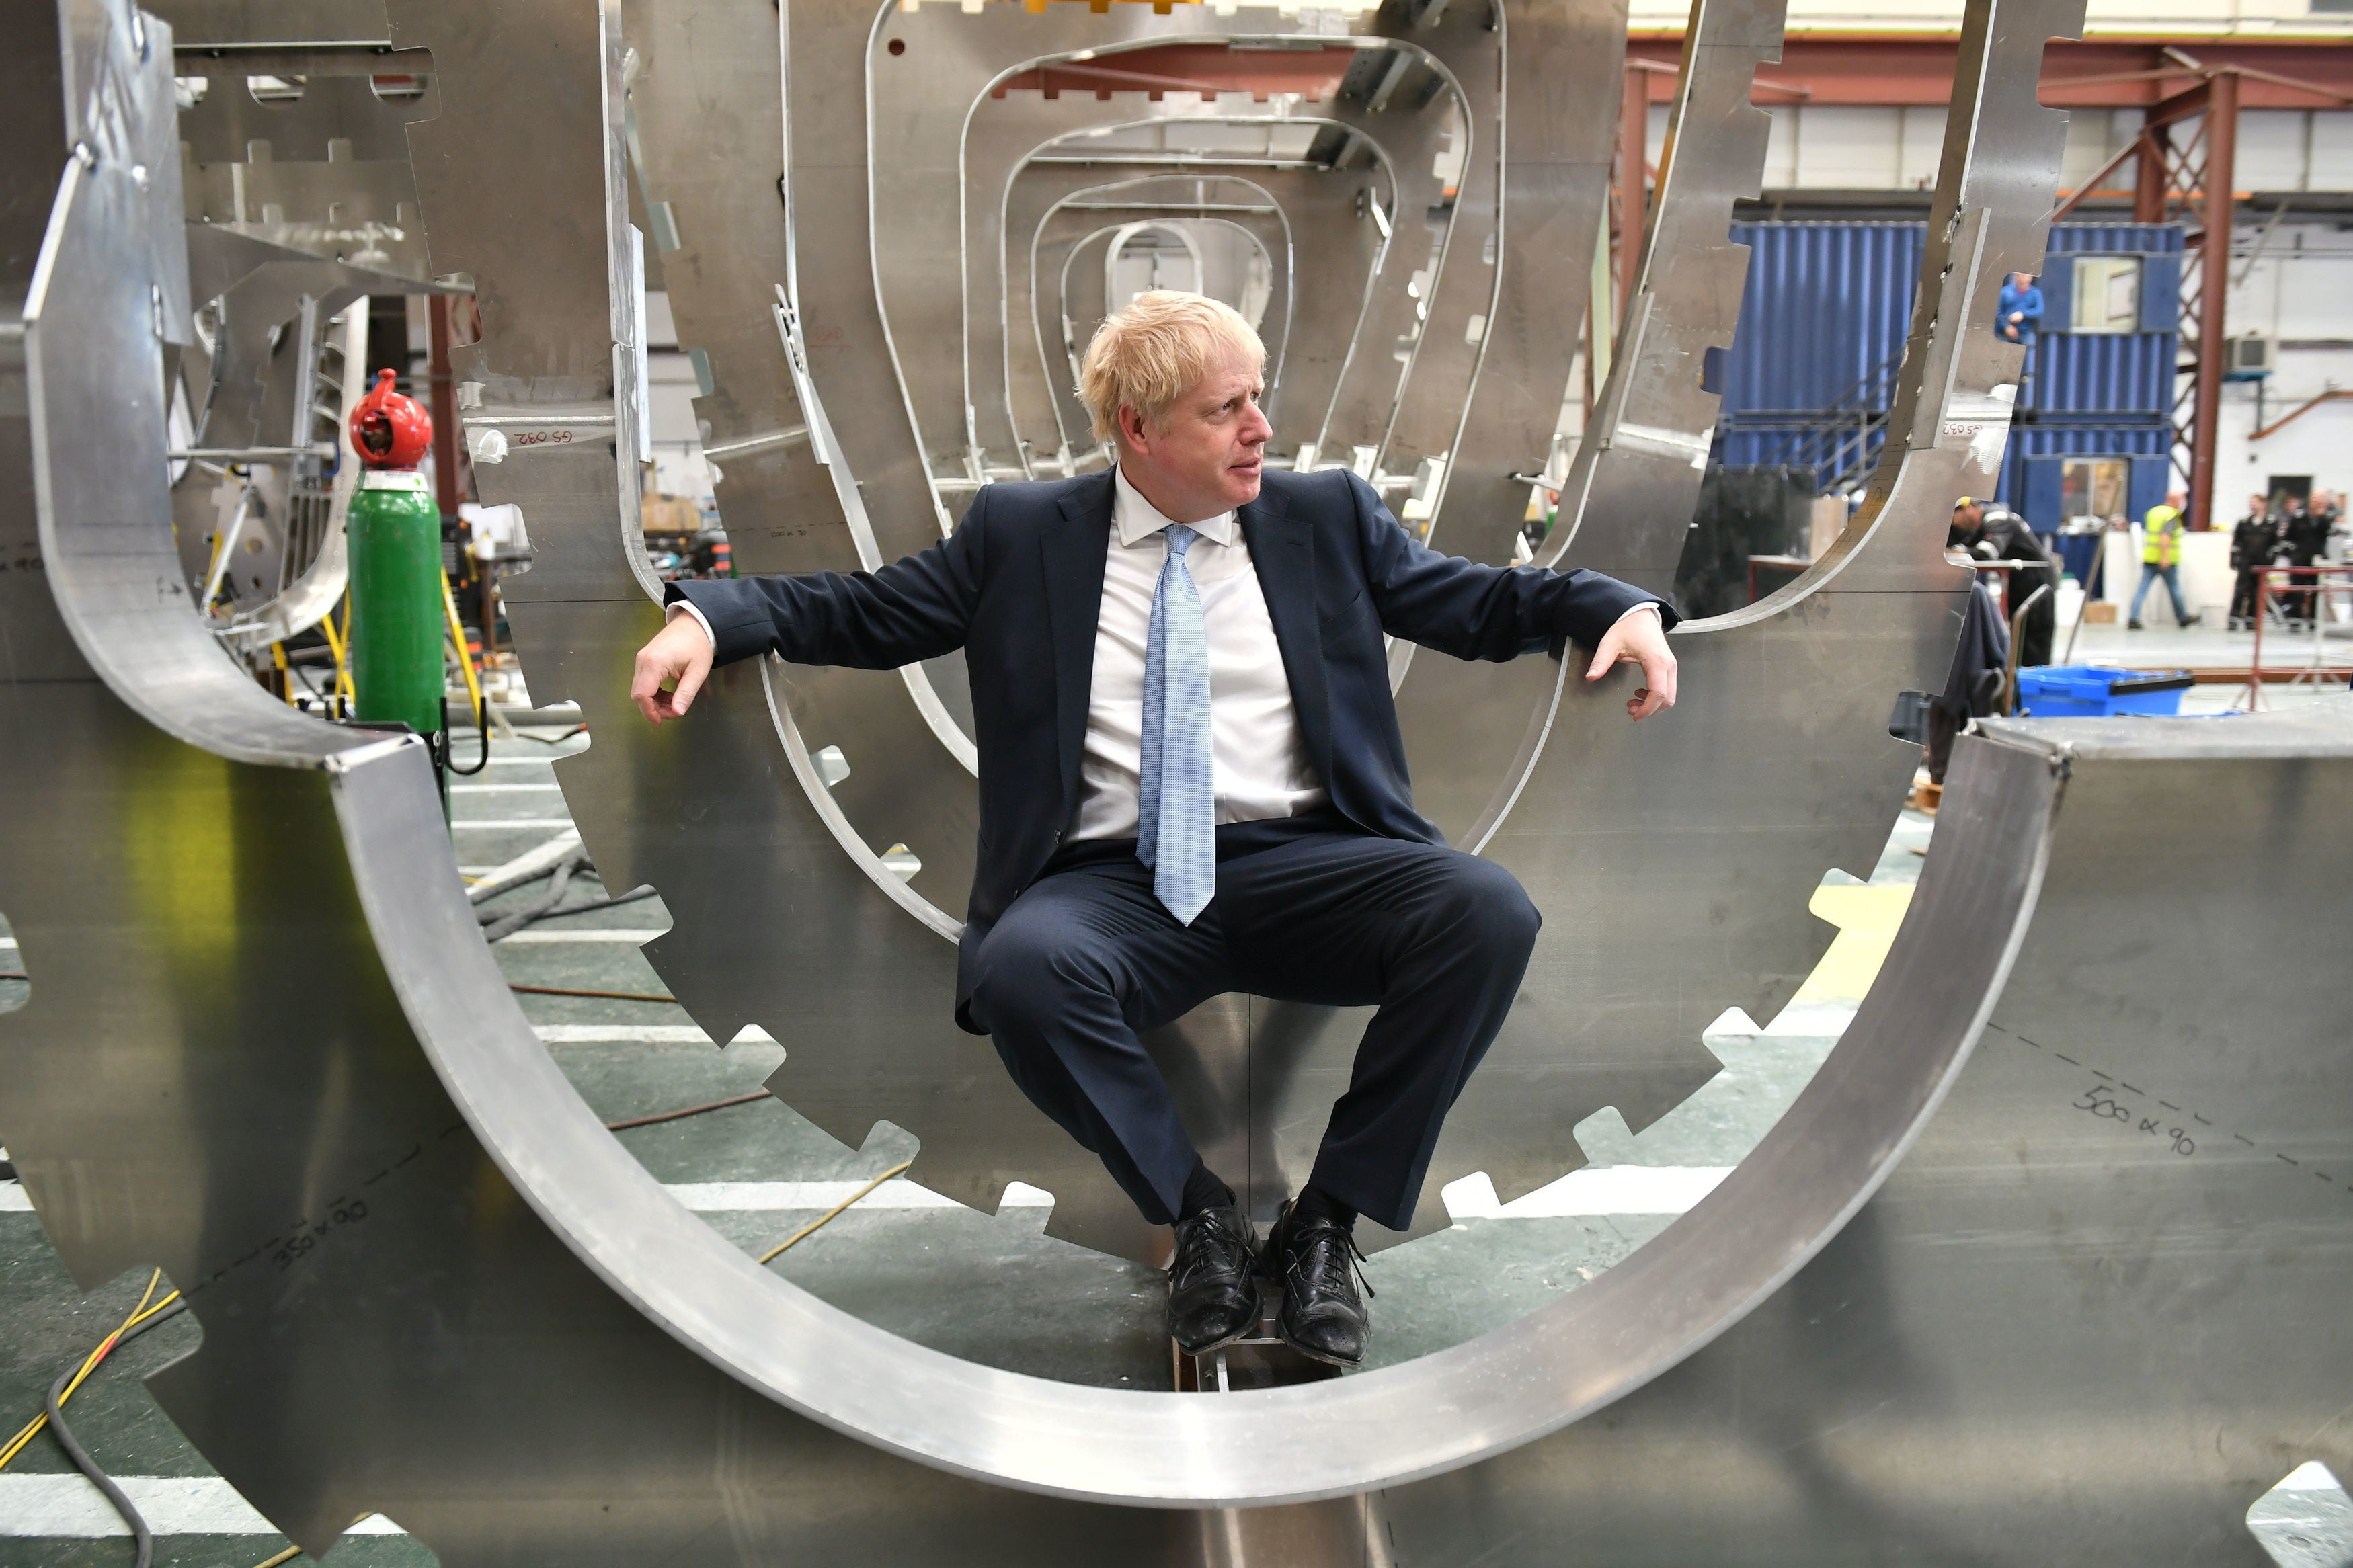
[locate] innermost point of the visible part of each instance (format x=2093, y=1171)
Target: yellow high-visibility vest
x=2160, y=535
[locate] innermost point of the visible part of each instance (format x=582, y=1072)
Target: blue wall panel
x=2147, y=238
x=2030, y=466
x=1828, y=308
x=1828, y=304
x=2102, y=372
x=2160, y=294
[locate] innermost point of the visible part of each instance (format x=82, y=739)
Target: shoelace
x=1211, y=1223
x=1356, y=1257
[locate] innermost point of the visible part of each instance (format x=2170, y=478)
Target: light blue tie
x=1177, y=827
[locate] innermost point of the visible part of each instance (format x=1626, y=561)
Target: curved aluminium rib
x=269, y=301
x=1628, y=496
x=1375, y=1429
x=1520, y=338
x=976, y=1134
x=2064, y=1288
x=996, y=145
x=1637, y=817
x=1348, y=241
x=1067, y=256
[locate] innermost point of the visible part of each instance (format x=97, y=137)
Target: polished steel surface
x=1561, y=64
x=911, y=112
x=386, y=1326
x=1007, y=189
x=297, y=208
x=279, y=325
x=1442, y=354
x=903, y=788
x=1451, y=57
x=1626, y=505
x=1613, y=1017
x=2096, y=1311
x=276, y=540
x=1420, y=55
x=709, y=106
x=322, y=167
x=1635, y=480
x=1909, y=1389
x=1037, y=1435
x=1084, y=1432
x=1070, y=247
x=1658, y=822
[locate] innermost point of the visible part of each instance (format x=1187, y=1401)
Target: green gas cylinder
x=395, y=535
x=394, y=531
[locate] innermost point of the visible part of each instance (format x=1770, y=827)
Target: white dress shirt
x=1259, y=761
x=1259, y=764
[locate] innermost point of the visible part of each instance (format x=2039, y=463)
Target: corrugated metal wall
x=2102, y=372
x=2148, y=238
x=1827, y=305
x=2030, y=467
x=1822, y=335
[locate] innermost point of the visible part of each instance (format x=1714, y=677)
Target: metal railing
x=1840, y=442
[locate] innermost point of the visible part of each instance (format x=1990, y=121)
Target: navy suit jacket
x=1018, y=586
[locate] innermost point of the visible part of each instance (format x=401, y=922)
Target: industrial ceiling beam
x=2108, y=73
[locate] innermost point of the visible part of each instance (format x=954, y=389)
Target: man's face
x=1205, y=454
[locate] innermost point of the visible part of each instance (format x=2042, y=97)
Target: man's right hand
x=680, y=656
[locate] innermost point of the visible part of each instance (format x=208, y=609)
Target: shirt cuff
x=1647, y=607
x=686, y=608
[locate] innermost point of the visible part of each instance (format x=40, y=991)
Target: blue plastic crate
x=2089, y=691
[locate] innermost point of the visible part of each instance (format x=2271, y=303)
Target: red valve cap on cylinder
x=389, y=430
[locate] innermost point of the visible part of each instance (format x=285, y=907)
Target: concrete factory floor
x=2208, y=649
x=992, y=1289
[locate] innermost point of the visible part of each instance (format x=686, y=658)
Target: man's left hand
x=1639, y=638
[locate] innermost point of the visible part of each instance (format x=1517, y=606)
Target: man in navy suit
x=1192, y=782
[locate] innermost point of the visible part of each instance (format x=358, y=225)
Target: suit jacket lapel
x=1072, y=552
x=1282, y=550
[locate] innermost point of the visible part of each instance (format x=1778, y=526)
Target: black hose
x=501, y=924
x=483, y=728
x=81, y=1455
x=631, y=897
x=506, y=923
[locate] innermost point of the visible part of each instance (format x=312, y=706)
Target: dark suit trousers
x=1307, y=910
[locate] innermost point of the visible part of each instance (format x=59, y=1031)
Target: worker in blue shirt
x=2019, y=316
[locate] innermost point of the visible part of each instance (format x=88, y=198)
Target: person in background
x=2249, y=540
x=2160, y=558
x=1993, y=532
x=2279, y=550
x=1973, y=686
x=2020, y=315
x=2307, y=534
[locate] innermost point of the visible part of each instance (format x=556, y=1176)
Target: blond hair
x=1150, y=354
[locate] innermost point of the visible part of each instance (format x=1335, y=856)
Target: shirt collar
x=1138, y=519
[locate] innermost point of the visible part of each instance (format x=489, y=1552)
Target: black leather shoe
x=1212, y=1280
x=1313, y=1261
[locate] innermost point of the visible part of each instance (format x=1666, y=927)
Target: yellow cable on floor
x=336, y=645
x=830, y=1215
x=291, y=1552
x=465, y=660
x=285, y=677
x=139, y=1314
